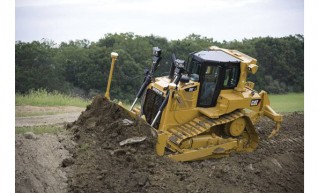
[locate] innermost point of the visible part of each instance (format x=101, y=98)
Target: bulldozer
x=206, y=107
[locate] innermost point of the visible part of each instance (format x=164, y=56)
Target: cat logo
x=255, y=102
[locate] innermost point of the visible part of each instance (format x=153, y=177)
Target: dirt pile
x=38, y=162
x=102, y=165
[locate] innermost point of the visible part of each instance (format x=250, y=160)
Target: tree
x=84, y=65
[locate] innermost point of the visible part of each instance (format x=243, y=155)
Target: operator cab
x=216, y=71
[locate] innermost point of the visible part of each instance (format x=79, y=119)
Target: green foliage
x=82, y=67
x=35, y=67
x=43, y=98
x=282, y=61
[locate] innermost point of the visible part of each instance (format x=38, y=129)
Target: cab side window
x=195, y=67
x=208, y=86
x=231, y=77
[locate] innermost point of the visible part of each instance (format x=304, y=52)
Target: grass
x=39, y=129
x=43, y=98
x=287, y=102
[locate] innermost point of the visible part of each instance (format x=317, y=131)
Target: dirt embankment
x=97, y=163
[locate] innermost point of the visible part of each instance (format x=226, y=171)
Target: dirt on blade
x=101, y=164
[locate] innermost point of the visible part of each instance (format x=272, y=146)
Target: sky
x=64, y=20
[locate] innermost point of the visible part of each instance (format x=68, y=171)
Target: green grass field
x=287, y=102
x=44, y=98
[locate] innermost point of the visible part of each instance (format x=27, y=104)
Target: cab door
x=209, y=86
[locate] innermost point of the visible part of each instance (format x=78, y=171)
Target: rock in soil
x=29, y=135
x=67, y=162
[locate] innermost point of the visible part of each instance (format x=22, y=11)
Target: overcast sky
x=64, y=20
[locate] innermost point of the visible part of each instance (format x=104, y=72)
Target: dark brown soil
x=102, y=165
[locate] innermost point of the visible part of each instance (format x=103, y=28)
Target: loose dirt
x=38, y=162
x=94, y=161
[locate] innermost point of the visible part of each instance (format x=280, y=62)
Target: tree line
x=81, y=67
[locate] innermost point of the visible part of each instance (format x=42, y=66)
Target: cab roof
x=215, y=56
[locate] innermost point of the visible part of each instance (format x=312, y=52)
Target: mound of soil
x=102, y=165
x=39, y=162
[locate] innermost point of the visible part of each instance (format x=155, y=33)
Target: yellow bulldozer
x=205, y=108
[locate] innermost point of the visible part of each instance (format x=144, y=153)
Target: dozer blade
x=134, y=113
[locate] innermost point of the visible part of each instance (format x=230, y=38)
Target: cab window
x=231, y=77
x=194, y=67
x=208, y=86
